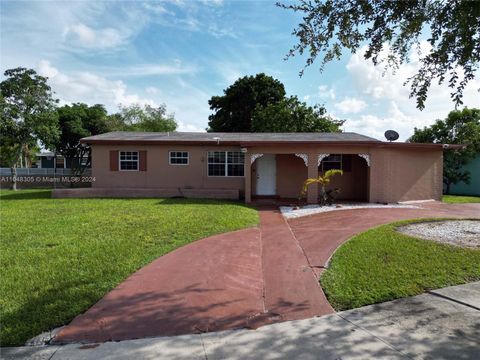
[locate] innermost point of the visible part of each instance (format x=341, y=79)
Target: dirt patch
x=454, y=232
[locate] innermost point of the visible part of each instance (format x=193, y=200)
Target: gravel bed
x=294, y=212
x=454, y=232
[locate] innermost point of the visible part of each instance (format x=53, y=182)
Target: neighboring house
x=473, y=188
x=259, y=165
x=48, y=160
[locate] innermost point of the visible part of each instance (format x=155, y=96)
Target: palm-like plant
x=323, y=181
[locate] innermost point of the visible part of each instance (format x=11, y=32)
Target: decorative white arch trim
x=366, y=157
x=321, y=157
x=304, y=157
x=254, y=157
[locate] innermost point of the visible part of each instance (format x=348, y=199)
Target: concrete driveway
x=442, y=324
x=244, y=279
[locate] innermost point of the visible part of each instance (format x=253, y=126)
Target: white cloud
x=84, y=36
x=221, y=31
x=391, y=107
x=152, y=90
x=189, y=127
x=156, y=8
x=89, y=88
x=394, y=118
x=350, y=105
x=375, y=81
x=230, y=72
x=212, y=2
x=388, y=85
x=174, y=68
x=190, y=109
x=324, y=91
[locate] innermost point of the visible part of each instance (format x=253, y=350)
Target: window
x=333, y=161
x=225, y=163
x=128, y=160
x=178, y=158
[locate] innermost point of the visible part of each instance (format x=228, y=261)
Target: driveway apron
x=292, y=290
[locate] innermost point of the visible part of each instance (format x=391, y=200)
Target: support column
x=248, y=177
x=312, y=191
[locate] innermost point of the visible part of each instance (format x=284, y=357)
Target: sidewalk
x=440, y=324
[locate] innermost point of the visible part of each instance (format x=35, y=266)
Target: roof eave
x=377, y=144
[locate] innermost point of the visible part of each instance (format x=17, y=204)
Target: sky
x=182, y=52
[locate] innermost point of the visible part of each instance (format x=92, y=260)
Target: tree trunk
x=447, y=189
x=13, y=169
x=323, y=195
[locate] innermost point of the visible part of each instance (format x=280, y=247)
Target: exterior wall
x=474, y=187
x=395, y=174
x=353, y=184
x=405, y=174
x=159, y=173
x=291, y=173
x=144, y=193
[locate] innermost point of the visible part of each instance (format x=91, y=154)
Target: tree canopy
x=259, y=104
x=77, y=121
x=144, y=118
x=460, y=127
x=293, y=115
x=27, y=114
x=233, y=112
x=453, y=29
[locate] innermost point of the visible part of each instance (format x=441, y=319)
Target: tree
x=115, y=122
x=28, y=116
x=77, y=121
x=460, y=127
x=326, y=196
x=146, y=118
x=453, y=27
x=292, y=115
x=234, y=110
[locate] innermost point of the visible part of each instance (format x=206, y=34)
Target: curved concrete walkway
x=246, y=278
x=321, y=234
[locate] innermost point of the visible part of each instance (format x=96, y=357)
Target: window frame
x=225, y=164
x=180, y=151
x=331, y=161
x=120, y=160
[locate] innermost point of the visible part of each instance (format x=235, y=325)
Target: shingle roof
x=125, y=136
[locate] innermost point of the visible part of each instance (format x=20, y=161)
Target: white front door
x=267, y=175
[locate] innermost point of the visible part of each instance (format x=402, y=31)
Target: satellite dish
x=391, y=135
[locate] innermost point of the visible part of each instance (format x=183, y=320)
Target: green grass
x=381, y=265
x=60, y=256
x=456, y=199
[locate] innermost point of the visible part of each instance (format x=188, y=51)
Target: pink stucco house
x=260, y=165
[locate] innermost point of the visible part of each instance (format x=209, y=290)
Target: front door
x=267, y=175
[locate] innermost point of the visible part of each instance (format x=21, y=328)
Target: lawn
x=381, y=265
x=456, y=199
x=60, y=256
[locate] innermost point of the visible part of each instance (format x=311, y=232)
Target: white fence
x=40, y=171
